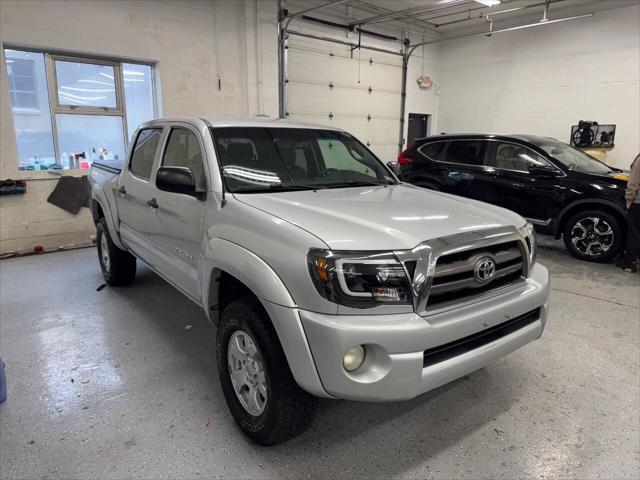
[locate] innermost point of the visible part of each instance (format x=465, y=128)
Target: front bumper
x=395, y=344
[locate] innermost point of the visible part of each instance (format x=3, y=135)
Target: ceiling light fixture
x=489, y=3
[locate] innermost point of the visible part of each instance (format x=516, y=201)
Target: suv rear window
x=468, y=152
x=432, y=150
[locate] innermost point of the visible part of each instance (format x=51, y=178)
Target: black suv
x=561, y=190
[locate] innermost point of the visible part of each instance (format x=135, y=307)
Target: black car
x=561, y=190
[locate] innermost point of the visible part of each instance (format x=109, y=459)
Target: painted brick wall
x=193, y=42
x=543, y=80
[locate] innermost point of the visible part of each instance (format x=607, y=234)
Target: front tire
x=593, y=235
x=262, y=395
x=118, y=266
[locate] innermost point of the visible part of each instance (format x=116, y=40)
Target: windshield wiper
x=357, y=183
x=277, y=187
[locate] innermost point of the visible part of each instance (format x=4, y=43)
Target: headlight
x=359, y=279
x=529, y=234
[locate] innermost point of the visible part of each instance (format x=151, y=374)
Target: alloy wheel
x=247, y=372
x=592, y=236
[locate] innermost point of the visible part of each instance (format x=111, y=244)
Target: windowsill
x=50, y=174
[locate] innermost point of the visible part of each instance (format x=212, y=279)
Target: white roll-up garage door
x=359, y=93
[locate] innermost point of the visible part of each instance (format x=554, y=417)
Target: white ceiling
x=443, y=18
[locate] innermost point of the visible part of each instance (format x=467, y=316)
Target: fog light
x=353, y=358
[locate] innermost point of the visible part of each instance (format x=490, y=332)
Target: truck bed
x=111, y=166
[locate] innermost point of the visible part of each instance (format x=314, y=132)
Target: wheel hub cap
x=104, y=253
x=247, y=372
x=592, y=236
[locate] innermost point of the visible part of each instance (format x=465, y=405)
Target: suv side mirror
x=541, y=171
x=176, y=180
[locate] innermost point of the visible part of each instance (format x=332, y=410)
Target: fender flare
x=98, y=196
x=224, y=255
x=585, y=201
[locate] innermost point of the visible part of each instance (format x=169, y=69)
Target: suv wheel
x=264, y=399
x=593, y=235
x=118, y=267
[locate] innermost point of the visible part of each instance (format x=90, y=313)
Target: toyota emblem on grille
x=484, y=269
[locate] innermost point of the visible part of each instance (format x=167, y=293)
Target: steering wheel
x=325, y=172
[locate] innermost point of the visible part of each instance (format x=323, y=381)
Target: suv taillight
x=403, y=159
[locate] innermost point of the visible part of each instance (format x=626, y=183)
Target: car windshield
x=572, y=158
x=256, y=160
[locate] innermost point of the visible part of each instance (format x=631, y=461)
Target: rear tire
x=593, y=235
x=260, y=371
x=118, y=266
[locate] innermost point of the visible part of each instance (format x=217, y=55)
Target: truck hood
x=395, y=217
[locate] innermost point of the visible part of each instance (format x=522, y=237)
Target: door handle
x=153, y=203
x=122, y=191
x=490, y=171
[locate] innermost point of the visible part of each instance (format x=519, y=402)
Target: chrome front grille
x=454, y=278
x=443, y=271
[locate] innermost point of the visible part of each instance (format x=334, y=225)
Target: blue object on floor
x=3, y=383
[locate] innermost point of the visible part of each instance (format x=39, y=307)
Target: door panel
x=514, y=187
x=464, y=173
x=134, y=191
x=176, y=225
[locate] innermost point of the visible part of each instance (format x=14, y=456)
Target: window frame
x=429, y=157
x=495, y=143
x=14, y=91
x=50, y=56
x=169, y=128
x=161, y=142
x=485, y=147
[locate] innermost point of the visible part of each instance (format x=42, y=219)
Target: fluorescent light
x=98, y=82
x=90, y=90
x=489, y=3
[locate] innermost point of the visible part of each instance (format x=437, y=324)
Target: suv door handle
x=122, y=190
x=490, y=171
x=153, y=203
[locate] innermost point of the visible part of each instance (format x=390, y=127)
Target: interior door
x=465, y=174
x=176, y=221
x=514, y=187
x=134, y=191
x=418, y=127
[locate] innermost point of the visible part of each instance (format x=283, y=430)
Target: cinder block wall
x=193, y=43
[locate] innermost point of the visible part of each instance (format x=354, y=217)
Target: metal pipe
x=344, y=42
x=403, y=100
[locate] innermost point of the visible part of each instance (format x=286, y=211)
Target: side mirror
x=393, y=166
x=176, y=180
x=540, y=171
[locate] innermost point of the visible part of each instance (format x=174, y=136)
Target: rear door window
x=144, y=152
x=465, y=152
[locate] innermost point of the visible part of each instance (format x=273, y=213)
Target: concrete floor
x=114, y=384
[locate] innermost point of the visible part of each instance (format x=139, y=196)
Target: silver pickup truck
x=324, y=275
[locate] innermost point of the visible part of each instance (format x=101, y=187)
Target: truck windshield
x=572, y=158
x=255, y=160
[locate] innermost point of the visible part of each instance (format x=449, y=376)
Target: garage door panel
x=306, y=98
x=323, y=69
x=379, y=135
x=373, y=117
